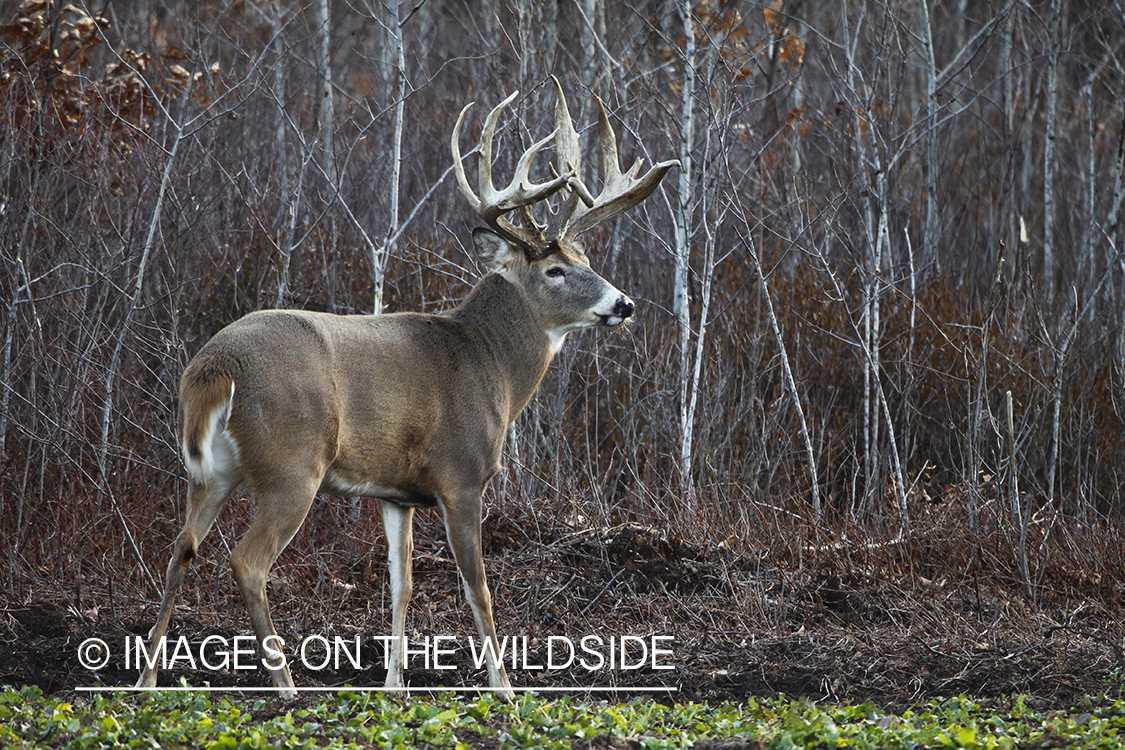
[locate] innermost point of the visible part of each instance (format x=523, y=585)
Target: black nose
x=624, y=308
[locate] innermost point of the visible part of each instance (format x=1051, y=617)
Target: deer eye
x=554, y=272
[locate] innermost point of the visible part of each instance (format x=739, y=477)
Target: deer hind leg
x=397, y=525
x=281, y=511
x=204, y=501
x=462, y=527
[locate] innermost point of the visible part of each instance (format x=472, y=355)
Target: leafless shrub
x=892, y=190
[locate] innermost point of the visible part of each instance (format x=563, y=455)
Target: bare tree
x=854, y=142
x=684, y=232
x=1050, y=149
x=326, y=126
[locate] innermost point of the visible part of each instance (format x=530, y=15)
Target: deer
x=409, y=408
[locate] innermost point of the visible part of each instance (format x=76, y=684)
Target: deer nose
x=623, y=308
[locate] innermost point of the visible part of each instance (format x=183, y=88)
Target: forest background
x=881, y=304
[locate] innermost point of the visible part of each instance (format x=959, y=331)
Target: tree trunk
x=325, y=124
x=681, y=305
x=380, y=259
x=929, y=230
x=1050, y=152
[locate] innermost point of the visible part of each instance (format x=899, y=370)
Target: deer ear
x=496, y=252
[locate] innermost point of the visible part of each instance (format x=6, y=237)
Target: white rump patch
x=219, y=452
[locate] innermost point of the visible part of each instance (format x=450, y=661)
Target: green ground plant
x=359, y=719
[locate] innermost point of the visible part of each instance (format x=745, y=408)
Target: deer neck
x=497, y=314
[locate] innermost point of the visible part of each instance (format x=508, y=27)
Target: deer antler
x=521, y=192
x=620, y=190
x=578, y=210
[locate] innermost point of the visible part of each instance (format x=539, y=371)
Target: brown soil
x=738, y=627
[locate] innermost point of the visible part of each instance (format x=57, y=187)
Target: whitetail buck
x=408, y=408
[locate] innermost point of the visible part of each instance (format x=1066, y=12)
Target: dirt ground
x=735, y=625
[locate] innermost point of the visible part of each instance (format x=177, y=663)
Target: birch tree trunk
x=1021, y=514
x=929, y=230
x=385, y=15
x=681, y=305
x=20, y=280
x=325, y=117
x=1087, y=264
x=589, y=9
x=379, y=259
x=1049, y=152
x=882, y=258
x=870, y=335
x=1115, y=260
x=285, y=246
x=6, y=370
x=1011, y=233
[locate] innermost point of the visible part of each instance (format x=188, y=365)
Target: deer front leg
x=397, y=525
x=462, y=527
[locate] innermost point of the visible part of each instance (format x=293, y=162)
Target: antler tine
x=521, y=192
x=568, y=158
x=568, y=154
x=620, y=190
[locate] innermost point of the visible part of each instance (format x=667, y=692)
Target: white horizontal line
x=189, y=689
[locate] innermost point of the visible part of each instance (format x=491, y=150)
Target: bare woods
x=889, y=216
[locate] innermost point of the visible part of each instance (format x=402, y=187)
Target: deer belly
x=408, y=497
